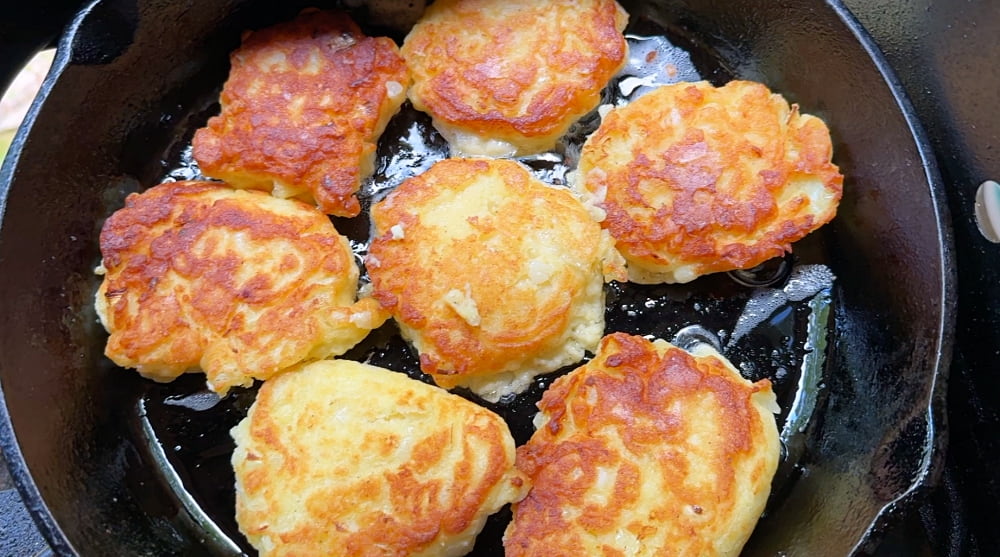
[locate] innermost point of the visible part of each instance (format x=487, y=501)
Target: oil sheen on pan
x=770, y=322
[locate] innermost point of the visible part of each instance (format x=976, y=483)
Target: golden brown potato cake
x=236, y=283
x=493, y=276
x=341, y=458
x=505, y=78
x=696, y=179
x=302, y=109
x=646, y=450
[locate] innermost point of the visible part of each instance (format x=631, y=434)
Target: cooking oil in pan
x=770, y=322
x=185, y=427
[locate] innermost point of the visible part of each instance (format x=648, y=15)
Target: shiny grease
x=771, y=322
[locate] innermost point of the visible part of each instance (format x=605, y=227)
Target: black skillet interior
x=125, y=466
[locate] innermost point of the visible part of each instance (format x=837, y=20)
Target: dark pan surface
x=126, y=466
x=945, y=54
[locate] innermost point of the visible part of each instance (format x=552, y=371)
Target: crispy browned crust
x=514, y=70
x=458, y=234
x=647, y=450
x=340, y=458
x=303, y=106
x=710, y=179
x=236, y=283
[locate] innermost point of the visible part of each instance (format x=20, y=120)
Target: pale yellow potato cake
x=696, y=179
x=302, y=111
x=646, y=450
x=509, y=78
x=341, y=458
x=493, y=276
x=239, y=284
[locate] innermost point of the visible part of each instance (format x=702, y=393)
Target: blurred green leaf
x=6, y=136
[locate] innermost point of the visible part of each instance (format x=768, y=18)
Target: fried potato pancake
x=506, y=78
x=341, y=458
x=302, y=110
x=236, y=283
x=696, y=179
x=493, y=276
x=646, y=450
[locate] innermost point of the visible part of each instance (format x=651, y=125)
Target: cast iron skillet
x=133, y=78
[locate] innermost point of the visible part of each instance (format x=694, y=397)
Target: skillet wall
x=138, y=71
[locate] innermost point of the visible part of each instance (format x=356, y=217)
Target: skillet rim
x=933, y=407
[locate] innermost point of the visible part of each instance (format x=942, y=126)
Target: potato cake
x=341, y=458
x=236, y=283
x=646, y=450
x=302, y=110
x=506, y=78
x=696, y=179
x=493, y=276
